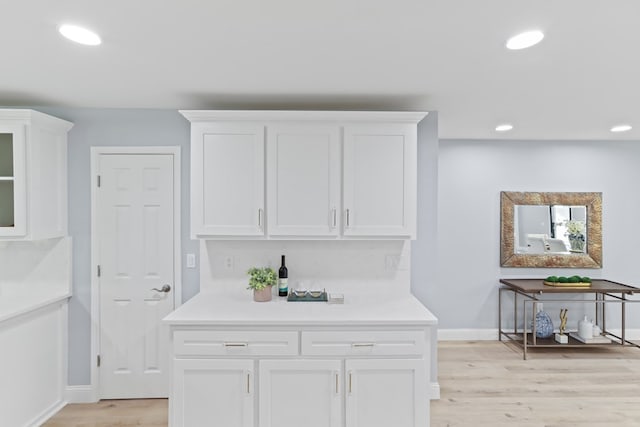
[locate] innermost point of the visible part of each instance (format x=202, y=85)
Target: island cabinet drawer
x=353, y=343
x=223, y=343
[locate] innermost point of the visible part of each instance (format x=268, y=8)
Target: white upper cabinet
x=329, y=174
x=227, y=180
x=303, y=180
x=33, y=175
x=380, y=176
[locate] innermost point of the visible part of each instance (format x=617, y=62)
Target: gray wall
x=455, y=261
x=112, y=127
x=471, y=174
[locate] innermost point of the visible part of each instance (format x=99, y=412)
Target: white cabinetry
x=316, y=377
x=297, y=393
x=213, y=392
x=380, y=180
x=227, y=179
x=33, y=175
x=303, y=180
x=328, y=174
x=382, y=393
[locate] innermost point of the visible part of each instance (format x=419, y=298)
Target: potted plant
x=261, y=280
x=575, y=233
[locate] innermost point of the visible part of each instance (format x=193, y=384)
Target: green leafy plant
x=572, y=279
x=260, y=278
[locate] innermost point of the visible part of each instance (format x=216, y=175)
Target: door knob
x=165, y=288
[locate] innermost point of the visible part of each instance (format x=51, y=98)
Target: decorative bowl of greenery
x=261, y=280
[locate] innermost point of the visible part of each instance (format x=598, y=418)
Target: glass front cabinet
x=33, y=175
x=12, y=181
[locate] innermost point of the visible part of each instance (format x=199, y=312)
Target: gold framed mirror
x=550, y=229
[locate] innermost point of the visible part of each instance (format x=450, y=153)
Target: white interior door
x=135, y=215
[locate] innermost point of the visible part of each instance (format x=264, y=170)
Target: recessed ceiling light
x=620, y=128
x=525, y=40
x=504, y=127
x=80, y=35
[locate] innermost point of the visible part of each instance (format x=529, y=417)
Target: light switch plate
x=191, y=260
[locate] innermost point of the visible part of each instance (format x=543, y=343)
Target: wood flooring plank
x=483, y=383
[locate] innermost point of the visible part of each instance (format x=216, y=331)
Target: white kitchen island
x=366, y=363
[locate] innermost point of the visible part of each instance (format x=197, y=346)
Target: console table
x=603, y=292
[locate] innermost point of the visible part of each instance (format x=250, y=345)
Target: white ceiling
x=444, y=55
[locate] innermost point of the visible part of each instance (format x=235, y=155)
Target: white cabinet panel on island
x=214, y=392
x=295, y=393
x=382, y=393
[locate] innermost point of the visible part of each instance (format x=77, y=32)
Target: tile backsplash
x=334, y=265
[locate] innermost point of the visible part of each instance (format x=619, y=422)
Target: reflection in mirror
x=551, y=229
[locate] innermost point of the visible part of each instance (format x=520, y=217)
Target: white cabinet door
x=227, y=180
x=383, y=393
x=303, y=181
x=212, y=393
x=296, y=393
x=380, y=180
x=13, y=198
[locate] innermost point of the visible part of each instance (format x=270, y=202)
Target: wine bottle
x=283, y=275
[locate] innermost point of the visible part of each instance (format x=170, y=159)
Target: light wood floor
x=482, y=384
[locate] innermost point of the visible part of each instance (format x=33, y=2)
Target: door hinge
x=98, y=271
x=98, y=180
x=98, y=360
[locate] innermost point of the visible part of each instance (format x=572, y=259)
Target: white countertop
x=15, y=305
x=239, y=309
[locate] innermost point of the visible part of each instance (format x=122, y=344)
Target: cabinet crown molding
x=26, y=116
x=294, y=115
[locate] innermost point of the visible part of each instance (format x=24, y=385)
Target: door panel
x=296, y=393
x=136, y=254
x=382, y=393
x=227, y=180
x=379, y=168
x=213, y=393
x=303, y=168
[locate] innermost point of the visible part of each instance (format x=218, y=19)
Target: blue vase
x=544, y=325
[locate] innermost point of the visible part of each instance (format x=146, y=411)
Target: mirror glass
x=551, y=229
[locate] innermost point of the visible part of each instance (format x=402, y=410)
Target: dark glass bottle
x=283, y=276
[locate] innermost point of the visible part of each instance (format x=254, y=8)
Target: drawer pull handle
x=236, y=344
x=363, y=344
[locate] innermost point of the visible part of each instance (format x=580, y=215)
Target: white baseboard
x=48, y=413
x=80, y=394
x=467, y=334
x=492, y=334
x=435, y=391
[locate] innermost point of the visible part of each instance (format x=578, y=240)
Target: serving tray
x=568, y=285
x=307, y=298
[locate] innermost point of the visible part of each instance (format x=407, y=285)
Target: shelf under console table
x=604, y=292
